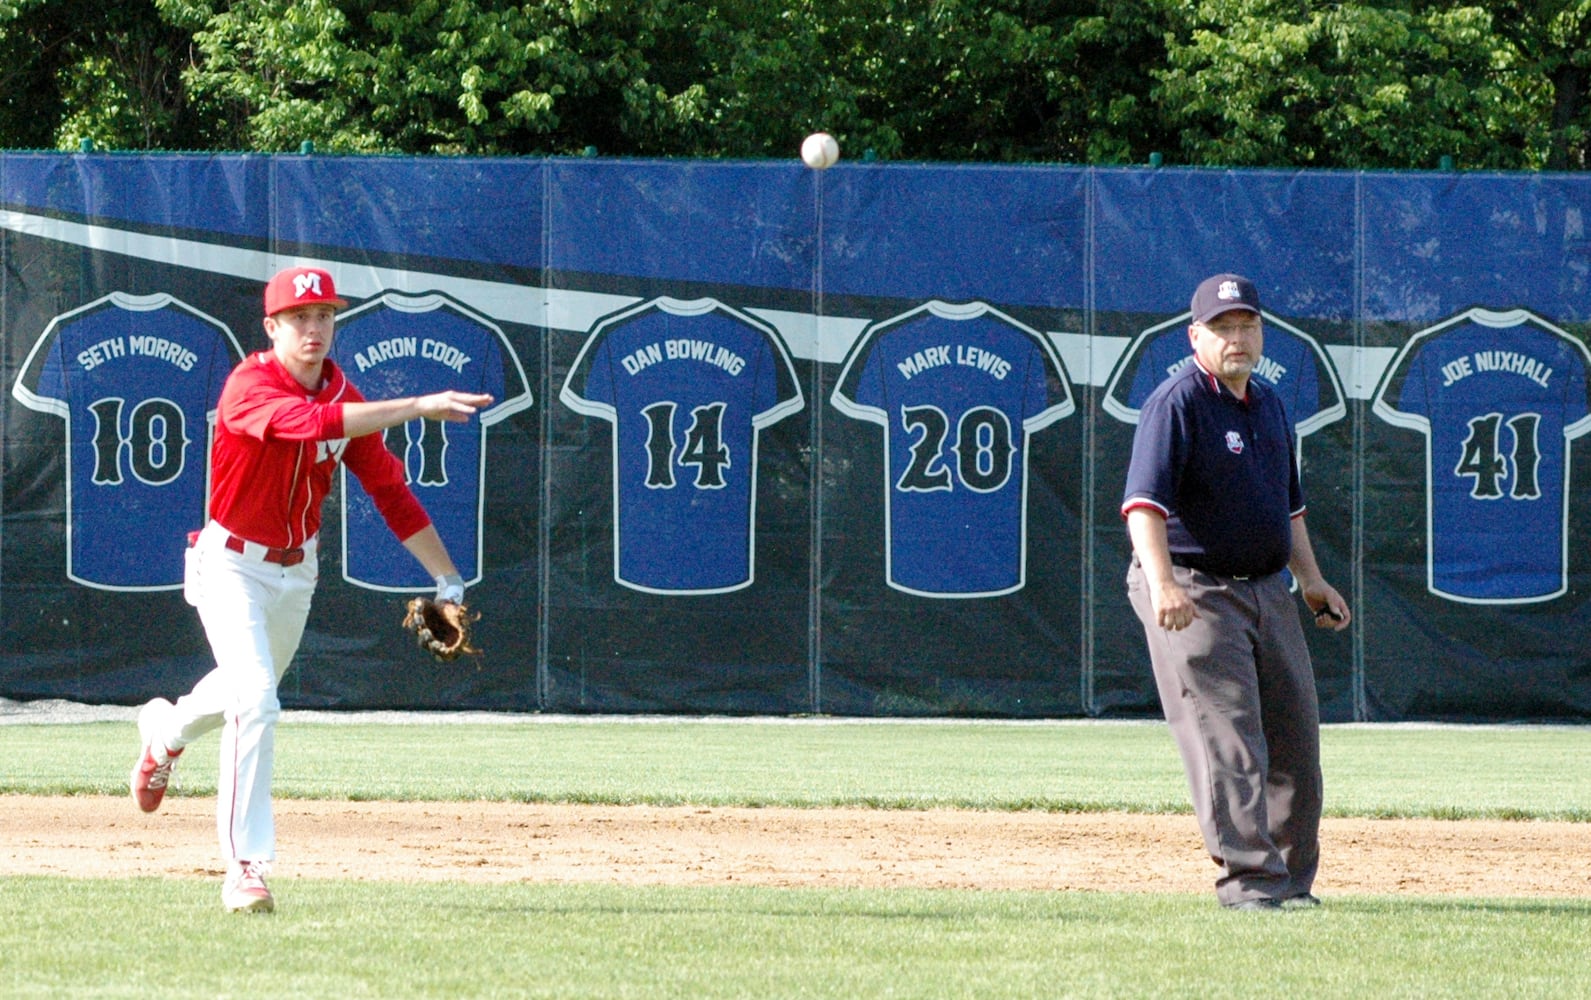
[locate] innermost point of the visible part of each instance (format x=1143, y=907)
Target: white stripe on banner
x=531, y=306
x=825, y=339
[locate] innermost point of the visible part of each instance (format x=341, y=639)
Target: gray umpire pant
x=1238, y=691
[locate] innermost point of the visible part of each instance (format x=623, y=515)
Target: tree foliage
x=1271, y=82
x=1211, y=82
x=78, y=67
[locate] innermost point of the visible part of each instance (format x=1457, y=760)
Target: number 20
x=982, y=449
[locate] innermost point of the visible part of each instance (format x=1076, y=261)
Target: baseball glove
x=442, y=628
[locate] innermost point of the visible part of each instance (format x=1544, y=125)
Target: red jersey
x=276, y=447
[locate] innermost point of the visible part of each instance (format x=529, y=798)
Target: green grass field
x=168, y=937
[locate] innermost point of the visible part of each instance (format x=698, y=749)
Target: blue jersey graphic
x=1294, y=365
x=958, y=389
x=1498, y=396
x=687, y=386
x=400, y=345
x=137, y=379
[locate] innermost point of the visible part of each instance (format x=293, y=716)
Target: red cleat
x=153, y=771
x=244, y=890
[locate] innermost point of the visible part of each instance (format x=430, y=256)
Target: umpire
x=1215, y=512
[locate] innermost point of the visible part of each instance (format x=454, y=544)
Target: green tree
x=446, y=76
x=1398, y=83
x=1272, y=83
x=74, y=68
x=997, y=80
x=950, y=79
x=1551, y=48
x=81, y=69
x=1059, y=81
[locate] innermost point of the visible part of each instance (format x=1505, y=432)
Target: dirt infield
x=504, y=842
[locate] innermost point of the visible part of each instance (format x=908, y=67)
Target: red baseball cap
x=300, y=286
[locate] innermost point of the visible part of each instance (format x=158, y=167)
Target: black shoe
x=1302, y=901
x=1263, y=903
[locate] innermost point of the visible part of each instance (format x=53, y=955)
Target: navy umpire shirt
x=1222, y=472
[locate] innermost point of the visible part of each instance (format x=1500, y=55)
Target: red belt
x=281, y=557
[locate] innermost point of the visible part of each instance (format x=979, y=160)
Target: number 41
x=1483, y=459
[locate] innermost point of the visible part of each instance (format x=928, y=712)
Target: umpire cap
x=1221, y=293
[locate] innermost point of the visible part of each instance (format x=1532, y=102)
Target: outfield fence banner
x=774, y=440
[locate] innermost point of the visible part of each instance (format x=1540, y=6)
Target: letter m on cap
x=309, y=282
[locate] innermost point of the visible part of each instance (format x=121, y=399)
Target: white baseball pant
x=254, y=613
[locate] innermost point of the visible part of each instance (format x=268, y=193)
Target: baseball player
x=286, y=418
x=1216, y=512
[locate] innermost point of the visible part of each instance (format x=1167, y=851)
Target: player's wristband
x=450, y=587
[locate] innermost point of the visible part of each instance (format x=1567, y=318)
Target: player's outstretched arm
x=364, y=418
x=426, y=546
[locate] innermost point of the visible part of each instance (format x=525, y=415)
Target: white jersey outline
x=1301, y=429
x=426, y=302
x=873, y=414
x=131, y=303
x=610, y=414
x=1497, y=319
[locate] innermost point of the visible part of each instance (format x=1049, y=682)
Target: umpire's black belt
x=1185, y=563
x=281, y=557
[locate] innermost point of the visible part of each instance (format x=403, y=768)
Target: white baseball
x=820, y=151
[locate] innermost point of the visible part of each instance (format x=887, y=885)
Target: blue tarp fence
x=775, y=440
